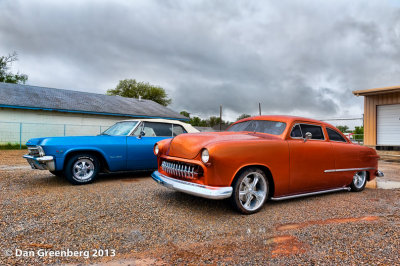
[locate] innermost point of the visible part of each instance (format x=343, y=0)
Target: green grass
x=11, y=146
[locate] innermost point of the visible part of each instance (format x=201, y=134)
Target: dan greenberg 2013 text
x=65, y=253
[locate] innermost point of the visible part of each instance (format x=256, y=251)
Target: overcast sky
x=295, y=57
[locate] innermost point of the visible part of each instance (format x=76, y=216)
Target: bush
x=11, y=146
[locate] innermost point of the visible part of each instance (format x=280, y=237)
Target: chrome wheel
x=359, y=179
x=83, y=169
x=252, y=191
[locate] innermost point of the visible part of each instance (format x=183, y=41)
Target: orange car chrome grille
x=181, y=169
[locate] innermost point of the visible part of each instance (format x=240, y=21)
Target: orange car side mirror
x=308, y=136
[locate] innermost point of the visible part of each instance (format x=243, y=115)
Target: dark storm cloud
x=295, y=58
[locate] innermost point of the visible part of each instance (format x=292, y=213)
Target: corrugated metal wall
x=370, y=103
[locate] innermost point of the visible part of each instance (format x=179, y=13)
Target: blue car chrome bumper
x=192, y=188
x=41, y=163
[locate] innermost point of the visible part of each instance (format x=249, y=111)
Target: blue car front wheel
x=82, y=169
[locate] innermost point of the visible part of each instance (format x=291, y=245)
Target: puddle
x=328, y=221
x=138, y=262
x=383, y=184
x=388, y=184
x=285, y=246
x=278, y=239
x=36, y=245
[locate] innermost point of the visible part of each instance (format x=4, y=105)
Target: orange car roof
x=285, y=118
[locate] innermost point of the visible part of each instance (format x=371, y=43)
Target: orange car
x=265, y=157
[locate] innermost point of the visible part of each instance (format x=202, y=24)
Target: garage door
x=388, y=124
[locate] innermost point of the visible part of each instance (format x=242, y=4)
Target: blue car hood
x=35, y=141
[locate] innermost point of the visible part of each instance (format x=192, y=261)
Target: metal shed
x=381, y=116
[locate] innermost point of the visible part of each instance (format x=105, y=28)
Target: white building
x=31, y=111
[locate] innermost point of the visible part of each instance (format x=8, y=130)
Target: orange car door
x=346, y=157
x=309, y=159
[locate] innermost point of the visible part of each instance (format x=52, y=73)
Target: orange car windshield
x=262, y=126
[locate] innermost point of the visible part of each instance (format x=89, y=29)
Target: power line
x=341, y=119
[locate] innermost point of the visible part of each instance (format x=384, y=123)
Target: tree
x=184, y=113
x=132, y=89
x=213, y=121
x=195, y=121
x=344, y=129
x=243, y=116
x=358, y=134
x=5, y=75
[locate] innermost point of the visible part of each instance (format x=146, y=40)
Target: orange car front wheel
x=250, y=190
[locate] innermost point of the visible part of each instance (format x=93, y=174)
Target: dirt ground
x=144, y=223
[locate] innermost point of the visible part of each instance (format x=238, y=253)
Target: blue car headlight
x=41, y=151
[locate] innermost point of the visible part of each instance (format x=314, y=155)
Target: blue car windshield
x=263, y=126
x=120, y=128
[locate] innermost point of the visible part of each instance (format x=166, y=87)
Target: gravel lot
x=148, y=224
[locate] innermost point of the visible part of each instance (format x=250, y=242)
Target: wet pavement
x=391, y=170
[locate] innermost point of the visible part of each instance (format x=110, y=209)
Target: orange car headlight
x=205, y=156
x=156, y=149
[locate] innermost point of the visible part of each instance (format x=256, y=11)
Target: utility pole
x=363, y=121
x=259, y=108
x=220, y=117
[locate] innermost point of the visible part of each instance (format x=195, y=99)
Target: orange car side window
x=296, y=132
x=315, y=130
x=334, y=136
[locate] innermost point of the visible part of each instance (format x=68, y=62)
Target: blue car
x=125, y=146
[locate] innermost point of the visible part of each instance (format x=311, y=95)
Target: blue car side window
x=152, y=129
x=178, y=129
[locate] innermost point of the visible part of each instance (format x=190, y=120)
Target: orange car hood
x=189, y=145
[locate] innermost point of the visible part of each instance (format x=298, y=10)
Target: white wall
x=49, y=123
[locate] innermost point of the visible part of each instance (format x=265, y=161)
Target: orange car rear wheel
x=359, y=181
x=250, y=190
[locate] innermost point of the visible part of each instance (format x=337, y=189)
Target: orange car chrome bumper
x=192, y=188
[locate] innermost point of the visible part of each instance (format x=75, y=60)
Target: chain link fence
x=20, y=133
x=356, y=138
